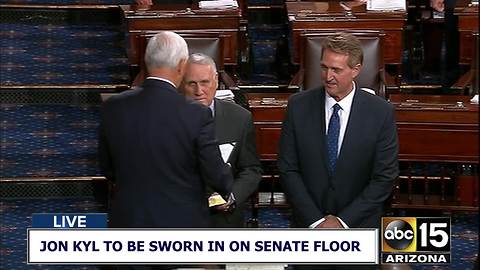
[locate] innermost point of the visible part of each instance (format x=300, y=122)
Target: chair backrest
x=210, y=44
x=207, y=43
x=373, y=65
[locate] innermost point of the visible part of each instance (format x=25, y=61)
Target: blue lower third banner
x=69, y=220
x=202, y=246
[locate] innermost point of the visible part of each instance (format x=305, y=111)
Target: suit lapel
x=222, y=133
x=354, y=126
x=219, y=119
x=318, y=116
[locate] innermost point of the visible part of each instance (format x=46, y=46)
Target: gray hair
x=165, y=49
x=202, y=59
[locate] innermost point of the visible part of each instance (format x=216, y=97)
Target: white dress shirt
x=212, y=108
x=343, y=114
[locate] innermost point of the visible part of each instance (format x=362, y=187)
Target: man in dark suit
x=159, y=148
x=234, y=127
x=339, y=146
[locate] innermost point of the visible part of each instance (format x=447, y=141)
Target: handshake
x=217, y=202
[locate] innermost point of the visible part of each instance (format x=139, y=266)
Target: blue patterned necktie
x=332, y=139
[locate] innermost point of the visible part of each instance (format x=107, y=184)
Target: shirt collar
x=162, y=79
x=345, y=103
x=212, y=107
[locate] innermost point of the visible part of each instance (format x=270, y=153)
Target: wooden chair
x=372, y=75
x=207, y=43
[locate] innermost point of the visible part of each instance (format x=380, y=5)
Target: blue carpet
x=49, y=140
x=268, y=60
x=274, y=217
x=55, y=54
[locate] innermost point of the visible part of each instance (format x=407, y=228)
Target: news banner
x=79, y=238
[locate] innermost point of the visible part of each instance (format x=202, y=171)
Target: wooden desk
x=440, y=129
x=311, y=16
x=430, y=128
x=435, y=129
x=183, y=18
x=467, y=24
x=268, y=110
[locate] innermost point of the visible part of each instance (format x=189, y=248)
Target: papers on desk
x=226, y=149
x=386, y=5
x=218, y=4
x=226, y=95
x=474, y=100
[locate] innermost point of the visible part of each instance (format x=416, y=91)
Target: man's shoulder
x=233, y=108
x=134, y=91
x=374, y=101
x=122, y=97
x=305, y=96
x=191, y=110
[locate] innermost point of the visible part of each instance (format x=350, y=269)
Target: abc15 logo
x=411, y=234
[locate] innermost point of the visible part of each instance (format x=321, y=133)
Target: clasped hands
x=330, y=222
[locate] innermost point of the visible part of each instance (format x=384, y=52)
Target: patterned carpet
x=50, y=52
x=48, y=140
x=45, y=138
x=269, y=55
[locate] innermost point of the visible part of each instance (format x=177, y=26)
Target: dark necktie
x=332, y=139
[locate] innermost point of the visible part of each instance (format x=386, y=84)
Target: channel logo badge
x=416, y=240
x=399, y=234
